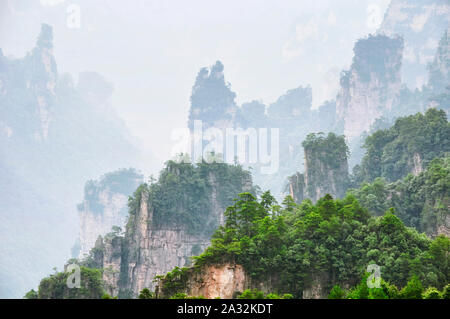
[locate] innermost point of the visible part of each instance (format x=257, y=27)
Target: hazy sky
x=152, y=50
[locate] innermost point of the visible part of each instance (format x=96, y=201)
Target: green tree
x=431, y=293
x=413, y=290
x=146, y=294
x=337, y=293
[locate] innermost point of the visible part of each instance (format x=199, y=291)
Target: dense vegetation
x=326, y=164
x=411, y=143
x=413, y=290
x=183, y=194
x=330, y=150
x=55, y=286
x=296, y=246
x=420, y=201
x=374, y=55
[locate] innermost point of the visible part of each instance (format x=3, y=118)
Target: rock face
x=318, y=289
x=322, y=178
x=439, y=69
x=155, y=241
x=296, y=187
x=421, y=24
x=326, y=169
x=154, y=251
x=212, y=100
x=219, y=281
x=54, y=135
x=227, y=280
x=105, y=205
x=444, y=228
x=106, y=255
x=368, y=90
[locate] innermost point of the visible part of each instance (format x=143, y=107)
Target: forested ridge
x=396, y=218
x=292, y=245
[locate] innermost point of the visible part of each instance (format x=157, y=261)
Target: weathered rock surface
x=105, y=205
x=368, y=90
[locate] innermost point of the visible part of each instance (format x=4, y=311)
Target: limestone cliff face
x=417, y=164
x=107, y=255
x=104, y=206
x=319, y=287
x=444, y=228
x=368, y=90
x=421, y=23
x=439, y=69
x=227, y=280
x=296, y=187
x=159, y=232
x=212, y=100
x=155, y=251
x=326, y=169
x=151, y=249
x=222, y=281
x=37, y=74
x=322, y=178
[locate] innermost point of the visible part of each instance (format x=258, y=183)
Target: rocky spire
x=368, y=90
x=212, y=100
x=439, y=76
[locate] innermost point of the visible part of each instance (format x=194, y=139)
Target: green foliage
x=413, y=290
x=32, y=294
x=174, y=281
x=325, y=156
x=446, y=292
x=181, y=295
x=372, y=57
x=55, y=286
x=289, y=246
x=420, y=201
x=146, y=294
x=337, y=293
x=257, y=294
x=331, y=149
x=412, y=141
x=182, y=195
x=431, y=293
x=252, y=294
x=108, y=296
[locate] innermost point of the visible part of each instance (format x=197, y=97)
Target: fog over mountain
x=91, y=92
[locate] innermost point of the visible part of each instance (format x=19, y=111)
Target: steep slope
x=406, y=147
x=368, y=90
x=421, y=24
x=104, y=206
x=305, y=250
x=54, y=135
x=421, y=201
x=326, y=169
x=170, y=220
